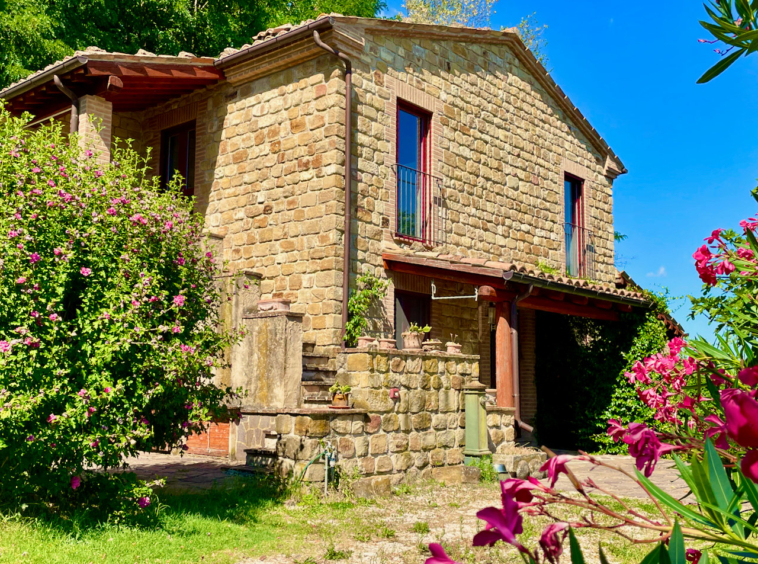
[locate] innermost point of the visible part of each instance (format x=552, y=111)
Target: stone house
x=475, y=188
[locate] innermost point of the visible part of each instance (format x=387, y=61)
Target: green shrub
x=108, y=320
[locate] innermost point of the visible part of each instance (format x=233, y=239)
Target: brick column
x=95, y=126
x=503, y=356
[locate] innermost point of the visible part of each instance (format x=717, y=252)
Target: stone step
x=316, y=393
x=315, y=373
x=316, y=359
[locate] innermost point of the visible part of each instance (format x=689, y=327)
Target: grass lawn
x=247, y=521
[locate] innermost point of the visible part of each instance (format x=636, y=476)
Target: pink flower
x=135, y=303
x=5, y=347
x=90, y=411
x=744, y=253
x=692, y=555
x=187, y=349
x=57, y=251
x=749, y=465
x=34, y=257
x=21, y=280
x=82, y=393
x=556, y=466
x=520, y=490
x=718, y=430
x=502, y=525
x=438, y=555
x=645, y=447
x=35, y=314
x=143, y=502
x=551, y=540
x=176, y=329
x=179, y=300
x=111, y=211
x=85, y=271
x=168, y=226
x=53, y=317
x=616, y=431
x=88, y=153
x=741, y=414
x=107, y=390
x=36, y=170
x=715, y=236
x=749, y=376
x=725, y=267
x=52, y=417
x=51, y=183
x=75, y=482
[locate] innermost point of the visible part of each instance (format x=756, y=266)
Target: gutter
x=516, y=374
x=513, y=276
x=45, y=76
x=276, y=42
x=348, y=171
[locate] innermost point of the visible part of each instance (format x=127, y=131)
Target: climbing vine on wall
x=371, y=290
x=580, y=375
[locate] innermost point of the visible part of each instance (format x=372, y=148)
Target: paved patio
x=194, y=472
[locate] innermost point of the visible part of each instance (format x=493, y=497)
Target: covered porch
x=493, y=307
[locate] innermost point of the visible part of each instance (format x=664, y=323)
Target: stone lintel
x=265, y=314
x=300, y=411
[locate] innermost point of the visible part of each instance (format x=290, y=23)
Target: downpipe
x=515, y=361
x=348, y=172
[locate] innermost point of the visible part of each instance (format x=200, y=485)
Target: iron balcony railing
x=420, y=214
x=580, y=251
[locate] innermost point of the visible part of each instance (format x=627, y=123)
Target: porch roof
x=501, y=281
x=130, y=82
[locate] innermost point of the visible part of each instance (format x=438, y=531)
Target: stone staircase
x=319, y=373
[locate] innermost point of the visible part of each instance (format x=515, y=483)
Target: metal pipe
x=74, y=123
x=514, y=356
x=348, y=172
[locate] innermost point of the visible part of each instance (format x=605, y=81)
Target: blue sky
x=691, y=150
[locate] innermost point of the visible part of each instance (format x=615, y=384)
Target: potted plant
x=365, y=342
x=387, y=344
x=432, y=345
x=414, y=336
x=452, y=346
x=340, y=399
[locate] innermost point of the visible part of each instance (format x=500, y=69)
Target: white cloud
x=660, y=272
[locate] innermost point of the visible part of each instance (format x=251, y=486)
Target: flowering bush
x=703, y=399
x=108, y=319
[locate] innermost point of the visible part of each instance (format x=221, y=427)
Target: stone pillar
x=95, y=126
x=503, y=356
x=476, y=421
x=270, y=359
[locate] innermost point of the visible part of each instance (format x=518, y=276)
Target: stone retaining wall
x=402, y=437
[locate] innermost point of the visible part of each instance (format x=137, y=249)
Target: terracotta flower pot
x=341, y=400
x=387, y=344
x=453, y=348
x=365, y=342
x=432, y=345
x=412, y=341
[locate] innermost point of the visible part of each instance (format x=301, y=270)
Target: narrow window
x=178, y=156
x=574, y=226
x=414, y=198
x=410, y=308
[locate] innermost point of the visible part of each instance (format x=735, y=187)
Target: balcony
x=580, y=251
x=419, y=212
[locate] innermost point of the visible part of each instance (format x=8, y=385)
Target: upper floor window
x=579, y=241
x=417, y=189
x=178, y=156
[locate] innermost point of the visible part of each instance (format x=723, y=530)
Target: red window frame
x=425, y=170
x=185, y=135
x=578, y=230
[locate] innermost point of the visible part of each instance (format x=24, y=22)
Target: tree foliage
x=108, y=318
x=734, y=23
x=35, y=33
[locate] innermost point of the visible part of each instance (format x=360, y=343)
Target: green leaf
x=654, y=556
x=720, y=67
x=751, y=492
x=685, y=472
x=672, y=503
x=704, y=559
x=717, y=475
x=676, y=546
x=576, y=552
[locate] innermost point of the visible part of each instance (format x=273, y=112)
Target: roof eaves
x=24, y=85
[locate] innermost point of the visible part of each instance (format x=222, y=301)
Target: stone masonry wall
x=422, y=429
x=270, y=180
x=499, y=142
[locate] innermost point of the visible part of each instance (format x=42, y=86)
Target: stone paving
x=194, y=472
